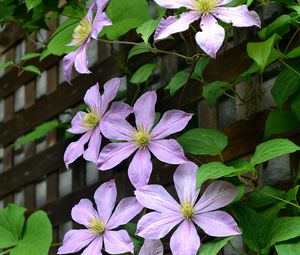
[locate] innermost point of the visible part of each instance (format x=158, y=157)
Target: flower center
x=90, y=119
x=141, y=138
x=96, y=226
x=81, y=32
x=187, y=210
x=205, y=6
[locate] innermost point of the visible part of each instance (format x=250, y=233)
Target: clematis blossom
x=88, y=123
x=142, y=139
x=188, y=212
x=88, y=28
x=212, y=35
x=152, y=247
x=100, y=224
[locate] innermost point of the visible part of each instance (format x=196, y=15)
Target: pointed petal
x=77, y=125
x=92, y=98
x=211, y=38
x=185, y=182
x=111, y=88
x=140, y=168
x=95, y=247
x=223, y=2
x=217, y=195
x=185, y=239
x=217, y=223
x=105, y=198
x=144, y=110
x=101, y=20
x=155, y=197
x=92, y=152
x=174, y=4
x=168, y=151
x=81, y=59
x=114, y=153
x=101, y=4
x=76, y=149
x=156, y=225
x=75, y=240
x=171, y=122
x=117, y=242
x=173, y=24
x=126, y=210
x=239, y=16
x=68, y=62
x=119, y=110
x=152, y=247
x=84, y=212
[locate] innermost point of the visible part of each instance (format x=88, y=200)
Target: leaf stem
x=288, y=66
x=5, y=252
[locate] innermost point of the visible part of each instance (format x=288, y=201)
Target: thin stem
x=5, y=252
x=292, y=39
x=288, y=66
x=56, y=244
x=221, y=157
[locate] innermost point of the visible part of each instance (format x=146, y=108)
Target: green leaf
x=287, y=83
x=272, y=149
x=280, y=26
x=138, y=49
x=241, y=166
x=7, y=64
x=203, y=141
x=249, y=2
x=260, y=51
x=288, y=247
x=143, y=73
x=30, y=4
x=279, y=122
x=213, y=91
x=30, y=56
x=32, y=69
x=212, y=171
x=37, y=236
x=294, y=53
x=200, y=67
x=177, y=82
x=213, y=247
x=125, y=15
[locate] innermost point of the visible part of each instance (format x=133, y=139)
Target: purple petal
x=92, y=98
x=114, y=153
x=217, y=195
x=217, y=223
x=95, y=247
x=68, y=62
x=81, y=59
x=155, y=197
x=168, y=151
x=126, y=210
x=185, y=182
x=76, y=149
x=111, y=88
x=144, y=110
x=223, y=2
x=185, y=239
x=101, y=4
x=100, y=19
x=174, y=4
x=171, y=122
x=84, y=212
x=119, y=110
x=116, y=242
x=239, y=16
x=152, y=247
x=92, y=152
x=77, y=125
x=211, y=38
x=75, y=240
x=173, y=24
x=140, y=168
x=156, y=225
x=105, y=198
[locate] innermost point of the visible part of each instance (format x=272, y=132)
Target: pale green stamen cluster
x=96, y=226
x=187, y=210
x=90, y=119
x=82, y=32
x=205, y=6
x=141, y=138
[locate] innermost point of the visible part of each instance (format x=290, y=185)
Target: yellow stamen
x=187, y=210
x=205, y=6
x=96, y=226
x=141, y=138
x=81, y=32
x=90, y=119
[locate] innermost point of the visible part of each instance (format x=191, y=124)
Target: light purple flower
x=152, y=247
x=100, y=223
x=143, y=139
x=211, y=38
x=168, y=212
x=88, y=28
x=87, y=123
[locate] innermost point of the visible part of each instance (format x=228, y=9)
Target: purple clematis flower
x=143, y=139
x=152, y=247
x=101, y=223
x=87, y=123
x=211, y=38
x=88, y=28
x=168, y=212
